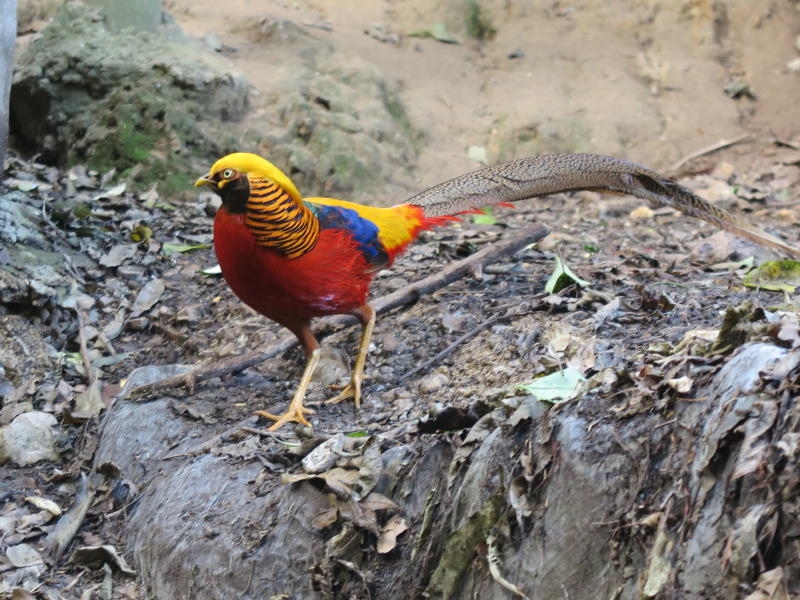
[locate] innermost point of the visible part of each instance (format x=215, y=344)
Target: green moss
x=479, y=25
x=394, y=106
x=461, y=548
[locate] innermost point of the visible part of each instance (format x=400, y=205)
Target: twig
x=69, y=523
x=720, y=145
x=493, y=558
x=87, y=361
x=436, y=359
x=402, y=297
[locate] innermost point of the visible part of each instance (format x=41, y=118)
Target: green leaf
x=183, y=247
x=215, y=270
x=562, y=277
x=356, y=434
x=484, y=217
x=439, y=32
x=556, y=387
x=775, y=276
x=478, y=154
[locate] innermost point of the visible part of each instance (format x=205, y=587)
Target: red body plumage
x=332, y=278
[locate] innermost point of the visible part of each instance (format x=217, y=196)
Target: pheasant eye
x=228, y=174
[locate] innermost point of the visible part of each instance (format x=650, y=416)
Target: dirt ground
x=643, y=80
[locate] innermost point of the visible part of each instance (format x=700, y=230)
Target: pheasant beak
x=207, y=179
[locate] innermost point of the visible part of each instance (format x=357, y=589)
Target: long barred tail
x=555, y=173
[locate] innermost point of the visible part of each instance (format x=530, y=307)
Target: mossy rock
x=146, y=104
x=343, y=130
x=159, y=108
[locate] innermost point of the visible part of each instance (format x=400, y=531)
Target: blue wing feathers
x=363, y=231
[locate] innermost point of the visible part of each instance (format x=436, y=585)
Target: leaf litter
x=131, y=295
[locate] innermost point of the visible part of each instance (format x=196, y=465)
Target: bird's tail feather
x=555, y=173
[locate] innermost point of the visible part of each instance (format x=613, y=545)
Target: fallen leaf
x=562, y=277
x=215, y=270
x=338, y=480
x=23, y=555
x=775, y=276
x=183, y=247
x=770, y=586
x=790, y=332
x=150, y=374
x=113, y=192
x=150, y=197
x=659, y=567
x=89, y=403
x=682, y=385
x=96, y=556
x=556, y=387
x=756, y=445
x=148, y=296
x=439, y=32
x=478, y=154
x=118, y=255
x=387, y=541
x=642, y=212
x=324, y=457
x=45, y=504
x=325, y=518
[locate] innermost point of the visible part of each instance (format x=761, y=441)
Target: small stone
x=23, y=555
x=29, y=439
x=189, y=315
x=434, y=383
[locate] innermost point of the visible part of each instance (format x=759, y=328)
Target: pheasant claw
x=296, y=415
x=296, y=412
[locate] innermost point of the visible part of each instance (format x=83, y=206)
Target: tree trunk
x=8, y=34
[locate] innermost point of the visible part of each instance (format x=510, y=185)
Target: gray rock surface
x=557, y=495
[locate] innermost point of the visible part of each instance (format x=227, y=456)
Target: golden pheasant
x=292, y=258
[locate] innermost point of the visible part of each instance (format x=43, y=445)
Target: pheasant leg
x=366, y=315
x=296, y=412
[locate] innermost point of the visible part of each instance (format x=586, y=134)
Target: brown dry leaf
x=682, y=385
x=96, y=556
x=376, y=501
x=118, y=255
x=359, y=514
x=45, y=504
x=338, y=480
x=370, y=469
x=324, y=456
x=247, y=449
x=659, y=568
x=643, y=212
x=148, y=296
x=479, y=432
x=770, y=586
x=790, y=332
x=20, y=594
x=89, y=403
x=744, y=539
x=387, y=541
x=325, y=518
x=518, y=499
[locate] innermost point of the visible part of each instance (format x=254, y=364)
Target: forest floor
x=657, y=280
